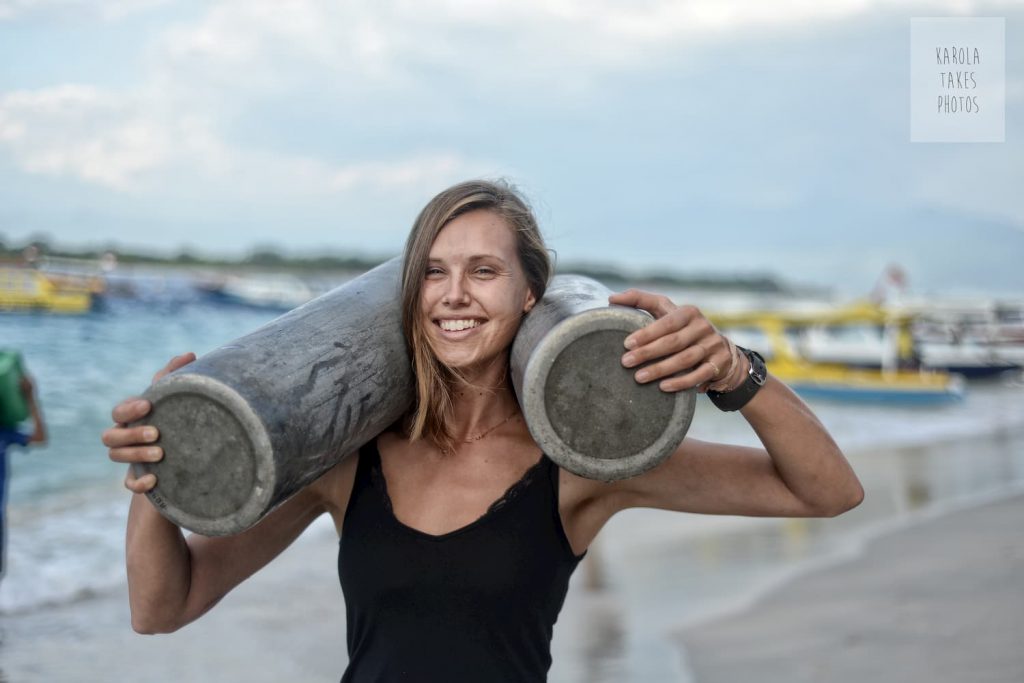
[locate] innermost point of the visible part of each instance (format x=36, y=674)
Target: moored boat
x=977, y=337
x=840, y=382
x=892, y=380
x=273, y=292
x=27, y=289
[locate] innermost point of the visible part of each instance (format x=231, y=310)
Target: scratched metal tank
x=252, y=422
x=584, y=409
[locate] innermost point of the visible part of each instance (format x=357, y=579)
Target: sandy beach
x=940, y=601
x=287, y=623
x=937, y=600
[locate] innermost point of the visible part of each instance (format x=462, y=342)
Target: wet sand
x=286, y=623
x=919, y=602
x=940, y=601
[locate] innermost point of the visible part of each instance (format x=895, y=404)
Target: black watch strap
x=757, y=375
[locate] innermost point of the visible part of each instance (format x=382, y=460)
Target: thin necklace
x=488, y=431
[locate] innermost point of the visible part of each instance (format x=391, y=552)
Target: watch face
x=730, y=401
x=758, y=371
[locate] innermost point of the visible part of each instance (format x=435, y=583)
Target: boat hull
x=842, y=383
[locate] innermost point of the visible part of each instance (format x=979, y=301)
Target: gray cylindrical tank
x=584, y=409
x=252, y=422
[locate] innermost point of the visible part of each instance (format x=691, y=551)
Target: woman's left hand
x=686, y=349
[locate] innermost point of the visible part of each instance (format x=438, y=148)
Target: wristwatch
x=738, y=397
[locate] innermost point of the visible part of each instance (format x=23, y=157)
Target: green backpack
x=13, y=408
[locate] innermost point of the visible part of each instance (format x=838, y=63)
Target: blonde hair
x=432, y=408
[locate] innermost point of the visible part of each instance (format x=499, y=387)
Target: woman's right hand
x=135, y=444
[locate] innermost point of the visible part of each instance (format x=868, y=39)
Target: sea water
x=67, y=506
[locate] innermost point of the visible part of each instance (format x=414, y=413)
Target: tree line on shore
x=272, y=258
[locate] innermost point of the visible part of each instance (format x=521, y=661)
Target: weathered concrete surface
x=584, y=409
x=252, y=422
x=941, y=601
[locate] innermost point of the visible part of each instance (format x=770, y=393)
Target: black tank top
x=476, y=604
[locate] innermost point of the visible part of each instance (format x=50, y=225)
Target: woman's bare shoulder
x=334, y=487
x=392, y=442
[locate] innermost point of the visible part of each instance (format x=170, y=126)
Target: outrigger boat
x=972, y=350
x=977, y=338
x=894, y=380
x=26, y=289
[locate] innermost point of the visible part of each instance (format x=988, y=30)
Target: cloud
x=132, y=142
x=428, y=168
x=402, y=34
x=104, y=138
x=202, y=76
x=107, y=10
x=172, y=128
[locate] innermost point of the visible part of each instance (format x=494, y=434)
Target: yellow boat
x=837, y=381
x=24, y=289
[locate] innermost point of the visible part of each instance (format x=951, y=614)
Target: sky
x=703, y=137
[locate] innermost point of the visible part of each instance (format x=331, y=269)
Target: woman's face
x=474, y=290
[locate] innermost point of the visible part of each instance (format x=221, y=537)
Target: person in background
x=13, y=436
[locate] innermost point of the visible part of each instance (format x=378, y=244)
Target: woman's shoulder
x=334, y=487
x=390, y=441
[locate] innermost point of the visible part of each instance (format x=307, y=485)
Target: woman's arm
x=172, y=580
x=38, y=435
x=799, y=472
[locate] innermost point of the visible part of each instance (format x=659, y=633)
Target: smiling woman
x=475, y=263
x=458, y=535
x=472, y=301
